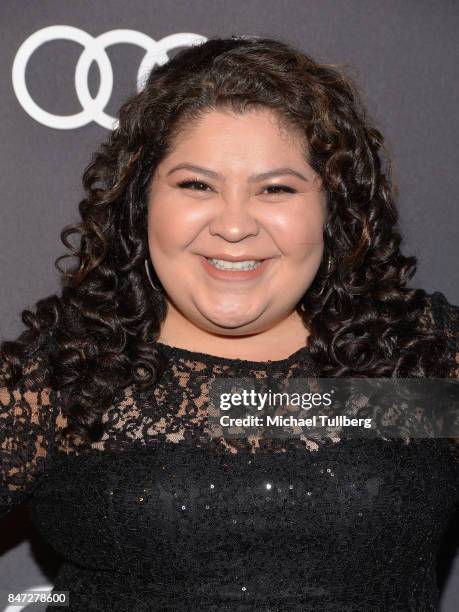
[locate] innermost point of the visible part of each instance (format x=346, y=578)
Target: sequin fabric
x=158, y=516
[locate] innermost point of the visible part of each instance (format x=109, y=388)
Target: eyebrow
x=252, y=178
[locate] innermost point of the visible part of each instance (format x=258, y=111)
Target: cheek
x=171, y=227
x=298, y=230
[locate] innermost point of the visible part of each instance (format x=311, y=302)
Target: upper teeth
x=234, y=265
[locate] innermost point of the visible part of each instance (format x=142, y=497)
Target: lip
x=244, y=257
x=231, y=275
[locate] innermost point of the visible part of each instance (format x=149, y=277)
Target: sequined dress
x=157, y=516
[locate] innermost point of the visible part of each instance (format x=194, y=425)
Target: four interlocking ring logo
x=94, y=50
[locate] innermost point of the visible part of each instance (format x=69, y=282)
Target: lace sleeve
x=446, y=319
x=27, y=417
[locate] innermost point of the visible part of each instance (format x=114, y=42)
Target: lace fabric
x=184, y=520
x=177, y=409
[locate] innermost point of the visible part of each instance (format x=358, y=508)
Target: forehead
x=255, y=127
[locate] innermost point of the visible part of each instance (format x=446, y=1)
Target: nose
x=233, y=220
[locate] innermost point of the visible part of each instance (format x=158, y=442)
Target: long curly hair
x=100, y=334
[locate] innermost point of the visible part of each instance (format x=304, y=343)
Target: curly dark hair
x=100, y=334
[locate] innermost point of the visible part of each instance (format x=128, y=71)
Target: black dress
x=158, y=516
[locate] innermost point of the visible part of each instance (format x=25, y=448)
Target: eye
x=191, y=184
x=282, y=188
x=200, y=186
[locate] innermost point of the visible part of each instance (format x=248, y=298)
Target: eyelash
x=185, y=184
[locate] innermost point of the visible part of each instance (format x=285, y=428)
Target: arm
x=27, y=420
x=446, y=318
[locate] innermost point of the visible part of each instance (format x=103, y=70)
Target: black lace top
x=157, y=516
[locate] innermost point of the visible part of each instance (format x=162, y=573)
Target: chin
x=228, y=322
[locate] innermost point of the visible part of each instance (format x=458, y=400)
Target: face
x=222, y=210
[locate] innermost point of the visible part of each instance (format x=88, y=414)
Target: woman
x=236, y=150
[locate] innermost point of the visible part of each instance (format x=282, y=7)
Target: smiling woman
x=238, y=224
x=195, y=234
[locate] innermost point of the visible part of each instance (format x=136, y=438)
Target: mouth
x=237, y=269
x=244, y=264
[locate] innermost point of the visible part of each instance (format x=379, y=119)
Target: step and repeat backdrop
x=67, y=67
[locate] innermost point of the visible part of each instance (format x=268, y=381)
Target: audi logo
x=93, y=51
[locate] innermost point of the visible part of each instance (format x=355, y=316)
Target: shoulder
x=26, y=393
x=445, y=319
x=445, y=315
x=29, y=397
x=27, y=364
x=443, y=309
